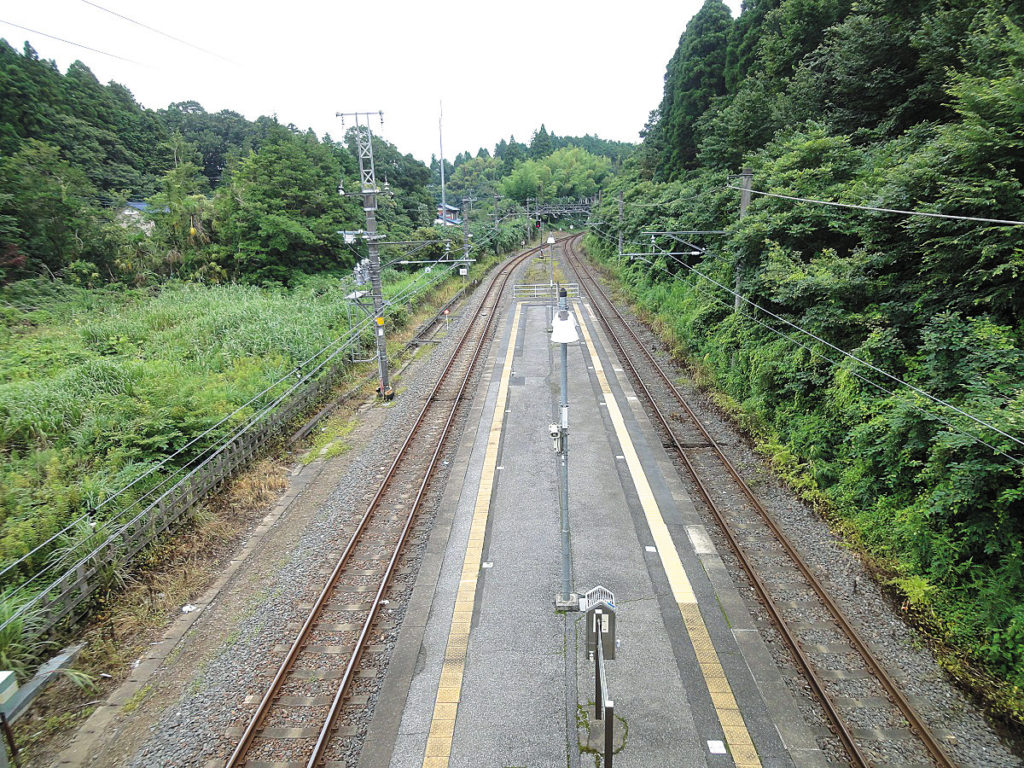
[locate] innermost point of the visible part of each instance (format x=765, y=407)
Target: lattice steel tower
x=369, y=191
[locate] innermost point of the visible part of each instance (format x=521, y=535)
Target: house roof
x=140, y=205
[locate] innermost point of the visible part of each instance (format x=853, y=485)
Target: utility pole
x=620, y=222
x=466, y=201
x=496, y=199
x=747, y=175
x=368, y=189
x=440, y=143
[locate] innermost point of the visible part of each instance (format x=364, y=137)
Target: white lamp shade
x=563, y=328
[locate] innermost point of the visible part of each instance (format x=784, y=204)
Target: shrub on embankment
x=811, y=98
x=938, y=511
x=99, y=386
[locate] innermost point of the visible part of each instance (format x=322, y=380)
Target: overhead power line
x=70, y=42
x=157, y=31
x=853, y=357
x=861, y=361
x=1003, y=222
x=300, y=371
x=856, y=374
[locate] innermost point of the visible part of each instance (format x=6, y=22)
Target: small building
x=130, y=215
x=448, y=216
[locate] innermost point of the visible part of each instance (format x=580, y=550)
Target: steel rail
x=303, y=431
x=255, y=724
x=320, y=748
x=917, y=725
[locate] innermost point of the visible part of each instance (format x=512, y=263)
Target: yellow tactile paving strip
x=736, y=735
x=446, y=703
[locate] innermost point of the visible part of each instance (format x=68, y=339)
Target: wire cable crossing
x=886, y=374
x=1002, y=222
x=56, y=569
x=157, y=31
x=71, y=42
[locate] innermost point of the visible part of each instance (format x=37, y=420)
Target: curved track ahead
x=296, y=717
x=717, y=479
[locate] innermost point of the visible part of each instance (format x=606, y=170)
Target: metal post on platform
x=598, y=672
x=609, y=733
x=551, y=284
x=604, y=707
x=564, y=333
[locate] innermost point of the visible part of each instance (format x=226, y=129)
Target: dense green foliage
x=548, y=167
x=569, y=172
x=229, y=198
x=99, y=129
x=905, y=105
x=98, y=385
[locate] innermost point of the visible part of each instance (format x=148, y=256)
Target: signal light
x=537, y=223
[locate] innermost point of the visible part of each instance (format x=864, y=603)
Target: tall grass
x=98, y=386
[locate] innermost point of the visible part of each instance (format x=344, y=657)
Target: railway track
x=297, y=718
x=871, y=717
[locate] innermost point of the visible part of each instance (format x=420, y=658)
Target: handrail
x=604, y=706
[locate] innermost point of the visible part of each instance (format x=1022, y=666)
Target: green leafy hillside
x=879, y=356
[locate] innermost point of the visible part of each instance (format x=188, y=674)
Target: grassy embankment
x=98, y=386
x=742, y=366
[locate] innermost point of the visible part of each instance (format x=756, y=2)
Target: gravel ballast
x=191, y=710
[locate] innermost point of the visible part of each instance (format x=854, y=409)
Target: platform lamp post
x=551, y=258
x=564, y=333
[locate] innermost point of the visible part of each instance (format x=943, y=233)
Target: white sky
x=499, y=68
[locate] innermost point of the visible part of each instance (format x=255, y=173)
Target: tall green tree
x=695, y=76
x=541, y=144
x=280, y=212
x=47, y=204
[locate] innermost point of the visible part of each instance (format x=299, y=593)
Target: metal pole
x=551, y=255
x=466, y=201
x=609, y=733
x=9, y=738
x=551, y=288
x=440, y=142
x=620, y=222
x=564, y=445
x=747, y=175
x=368, y=188
x=598, y=693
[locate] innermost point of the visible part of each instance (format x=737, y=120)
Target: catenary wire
x=338, y=340
x=69, y=42
x=1002, y=222
x=151, y=470
x=158, y=31
x=187, y=470
x=851, y=356
x=862, y=377
x=342, y=342
x=874, y=368
x=352, y=333
x=886, y=374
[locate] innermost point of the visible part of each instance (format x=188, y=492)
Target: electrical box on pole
x=599, y=604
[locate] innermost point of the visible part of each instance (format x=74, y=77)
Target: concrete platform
x=488, y=673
